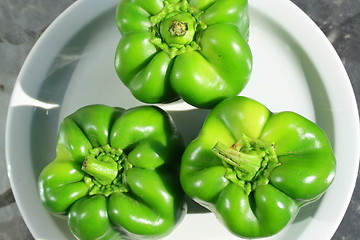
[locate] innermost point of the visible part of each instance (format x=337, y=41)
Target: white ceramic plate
x=71, y=65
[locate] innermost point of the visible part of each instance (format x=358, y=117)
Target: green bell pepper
x=116, y=171
x=255, y=169
x=196, y=50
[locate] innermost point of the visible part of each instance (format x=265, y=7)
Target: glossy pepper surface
x=116, y=171
x=255, y=169
x=195, y=49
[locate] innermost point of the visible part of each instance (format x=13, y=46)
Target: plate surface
x=71, y=65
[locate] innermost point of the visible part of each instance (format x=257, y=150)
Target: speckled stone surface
x=23, y=21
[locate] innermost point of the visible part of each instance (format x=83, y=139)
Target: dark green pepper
x=116, y=170
x=195, y=49
x=255, y=169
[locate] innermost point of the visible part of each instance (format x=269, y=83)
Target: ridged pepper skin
x=196, y=50
x=116, y=173
x=254, y=168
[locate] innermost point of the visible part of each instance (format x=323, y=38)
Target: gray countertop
x=23, y=21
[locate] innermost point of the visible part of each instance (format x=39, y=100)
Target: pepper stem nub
x=175, y=28
x=103, y=169
x=106, y=168
x=178, y=28
x=249, y=162
x=246, y=165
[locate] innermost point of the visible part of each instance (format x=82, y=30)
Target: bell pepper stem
x=249, y=162
x=178, y=28
x=174, y=28
x=246, y=165
x=106, y=168
x=103, y=169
